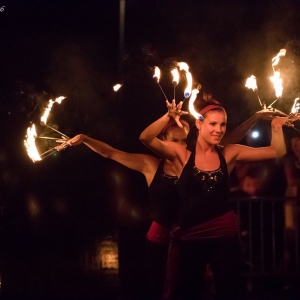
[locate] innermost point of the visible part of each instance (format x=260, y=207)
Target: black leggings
x=224, y=258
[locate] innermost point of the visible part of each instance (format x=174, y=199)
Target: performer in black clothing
x=162, y=182
x=164, y=197
x=207, y=230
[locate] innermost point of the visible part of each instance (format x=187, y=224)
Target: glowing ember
x=30, y=144
x=117, y=87
x=251, y=83
x=48, y=109
x=191, y=104
x=175, y=74
x=156, y=74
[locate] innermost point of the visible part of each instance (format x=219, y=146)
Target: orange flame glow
x=116, y=87
x=296, y=106
x=48, y=109
x=191, y=104
x=251, y=83
x=275, y=60
x=277, y=82
x=175, y=74
x=188, y=90
x=30, y=144
x=156, y=74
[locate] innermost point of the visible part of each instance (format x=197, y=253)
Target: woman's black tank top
x=164, y=198
x=204, y=195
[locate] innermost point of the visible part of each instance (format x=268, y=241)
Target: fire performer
x=206, y=230
x=162, y=183
x=161, y=180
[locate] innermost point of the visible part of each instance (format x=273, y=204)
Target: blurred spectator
x=250, y=183
x=291, y=203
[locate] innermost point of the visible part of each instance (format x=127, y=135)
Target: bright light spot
x=107, y=255
x=117, y=87
x=255, y=134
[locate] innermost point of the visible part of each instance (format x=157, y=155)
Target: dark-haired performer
x=162, y=183
x=207, y=230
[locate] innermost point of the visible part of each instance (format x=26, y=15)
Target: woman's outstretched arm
x=276, y=149
x=142, y=163
x=236, y=135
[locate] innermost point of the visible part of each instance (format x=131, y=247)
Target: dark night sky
x=71, y=48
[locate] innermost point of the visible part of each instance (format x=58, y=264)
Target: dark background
x=54, y=212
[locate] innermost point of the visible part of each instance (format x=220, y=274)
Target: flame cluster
x=30, y=141
x=276, y=79
x=189, y=92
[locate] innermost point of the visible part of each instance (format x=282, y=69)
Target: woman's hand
x=174, y=111
x=75, y=141
x=269, y=113
x=278, y=122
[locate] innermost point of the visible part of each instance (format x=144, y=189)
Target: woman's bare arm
x=236, y=135
x=142, y=163
x=276, y=149
x=166, y=149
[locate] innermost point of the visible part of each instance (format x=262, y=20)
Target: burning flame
x=191, y=104
x=156, y=74
x=296, y=106
x=188, y=90
x=175, y=74
x=251, y=83
x=30, y=144
x=48, y=109
x=183, y=66
x=275, y=60
x=277, y=82
x=117, y=87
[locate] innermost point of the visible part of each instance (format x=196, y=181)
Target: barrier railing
x=269, y=229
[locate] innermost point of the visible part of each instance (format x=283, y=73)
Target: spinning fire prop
x=277, y=82
x=180, y=66
x=30, y=142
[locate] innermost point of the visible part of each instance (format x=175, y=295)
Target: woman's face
x=176, y=134
x=213, y=127
x=295, y=146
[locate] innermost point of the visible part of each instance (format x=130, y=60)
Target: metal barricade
x=269, y=230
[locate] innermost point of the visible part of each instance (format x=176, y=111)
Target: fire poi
x=156, y=76
x=31, y=136
x=277, y=81
x=251, y=84
x=180, y=66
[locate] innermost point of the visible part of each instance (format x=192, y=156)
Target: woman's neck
x=204, y=147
